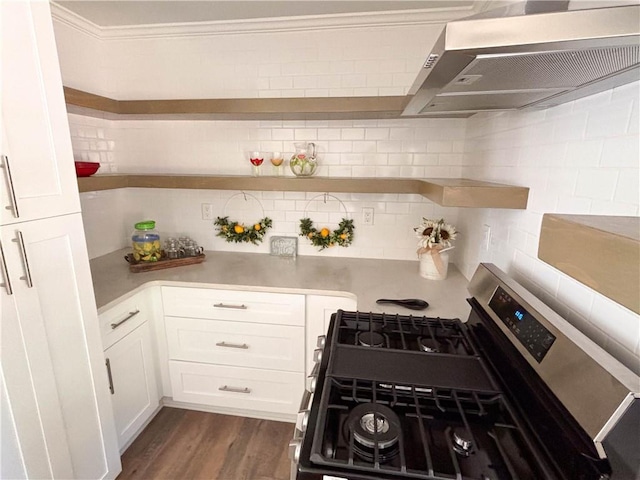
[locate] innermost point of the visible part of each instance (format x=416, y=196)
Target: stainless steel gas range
x=514, y=393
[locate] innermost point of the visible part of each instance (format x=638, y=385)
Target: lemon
x=343, y=236
x=257, y=227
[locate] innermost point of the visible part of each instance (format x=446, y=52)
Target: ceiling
x=134, y=12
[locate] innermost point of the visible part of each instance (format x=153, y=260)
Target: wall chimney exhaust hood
x=501, y=61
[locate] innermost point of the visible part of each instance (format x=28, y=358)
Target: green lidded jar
x=146, y=242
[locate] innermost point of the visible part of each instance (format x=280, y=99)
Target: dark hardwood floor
x=185, y=444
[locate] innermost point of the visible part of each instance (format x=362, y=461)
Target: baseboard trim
x=278, y=417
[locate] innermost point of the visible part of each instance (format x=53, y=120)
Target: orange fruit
x=257, y=227
x=238, y=229
x=343, y=236
x=324, y=233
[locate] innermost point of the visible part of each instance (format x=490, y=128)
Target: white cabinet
x=236, y=351
x=52, y=364
x=51, y=352
x=319, y=311
x=132, y=381
x=38, y=175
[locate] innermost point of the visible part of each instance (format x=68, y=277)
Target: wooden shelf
x=462, y=192
x=603, y=252
x=448, y=192
x=236, y=108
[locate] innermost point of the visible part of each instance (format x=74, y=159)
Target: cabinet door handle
x=25, y=260
x=128, y=317
x=232, y=345
x=14, y=201
x=226, y=388
x=228, y=305
x=108, y=364
x=5, y=273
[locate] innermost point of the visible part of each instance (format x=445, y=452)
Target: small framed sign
x=284, y=246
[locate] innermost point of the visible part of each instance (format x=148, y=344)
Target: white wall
x=371, y=148
x=336, y=62
x=578, y=158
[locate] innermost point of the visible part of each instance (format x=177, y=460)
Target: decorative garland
x=238, y=233
x=324, y=238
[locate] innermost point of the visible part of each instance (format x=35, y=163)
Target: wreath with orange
x=237, y=232
x=325, y=238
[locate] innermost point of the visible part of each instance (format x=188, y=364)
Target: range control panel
x=527, y=329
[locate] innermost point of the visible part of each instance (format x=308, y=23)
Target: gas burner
x=430, y=345
x=373, y=425
x=370, y=339
x=462, y=442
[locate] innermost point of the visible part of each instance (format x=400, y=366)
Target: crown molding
x=71, y=19
x=263, y=25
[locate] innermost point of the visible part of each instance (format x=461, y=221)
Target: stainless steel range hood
x=509, y=62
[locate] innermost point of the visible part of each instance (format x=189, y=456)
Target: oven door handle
x=305, y=403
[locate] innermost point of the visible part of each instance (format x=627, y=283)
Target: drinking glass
x=276, y=160
x=256, y=159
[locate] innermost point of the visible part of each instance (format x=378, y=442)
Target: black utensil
x=410, y=303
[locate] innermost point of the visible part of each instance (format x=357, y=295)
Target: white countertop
x=366, y=279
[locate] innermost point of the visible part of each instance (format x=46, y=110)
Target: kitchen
x=577, y=158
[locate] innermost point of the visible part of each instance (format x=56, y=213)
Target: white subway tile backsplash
x=611, y=120
x=353, y=134
x=367, y=146
x=583, y=154
x=597, y=183
x=627, y=189
x=620, y=323
x=576, y=158
x=377, y=134
x=620, y=152
x=389, y=146
x=571, y=167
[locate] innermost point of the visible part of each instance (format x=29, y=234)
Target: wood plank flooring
x=188, y=445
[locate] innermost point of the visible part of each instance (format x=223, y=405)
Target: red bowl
x=86, y=169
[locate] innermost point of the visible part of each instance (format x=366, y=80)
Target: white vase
x=434, y=265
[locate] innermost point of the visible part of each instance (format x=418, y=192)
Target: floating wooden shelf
x=603, y=252
x=448, y=192
x=237, y=108
x=462, y=192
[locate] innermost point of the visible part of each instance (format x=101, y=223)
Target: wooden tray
x=137, y=267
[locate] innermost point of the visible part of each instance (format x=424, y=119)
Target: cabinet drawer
x=122, y=319
x=276, y=347
x=234, y=305
x=236, y=387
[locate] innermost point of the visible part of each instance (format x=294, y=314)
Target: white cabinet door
x=37, y=159
x=32, y=393
x=133, y=383
x=319, y=311
x=51, y=352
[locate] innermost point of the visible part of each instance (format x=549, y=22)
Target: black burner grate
x=403, y=332
x=443, y=434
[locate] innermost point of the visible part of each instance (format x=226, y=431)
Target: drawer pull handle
x=14, y=201
x=228, y=305
x=244, y=346
x=108, y=364
x=5, y=272
x=128, y=317
x=226, y=388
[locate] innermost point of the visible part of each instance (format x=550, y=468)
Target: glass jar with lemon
x=146, y=242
